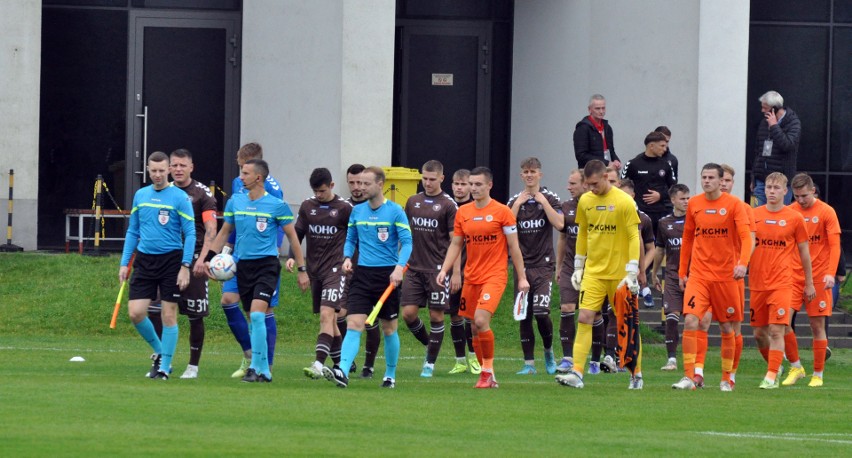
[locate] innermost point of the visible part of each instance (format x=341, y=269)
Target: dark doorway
x=182, y=93
x=452, y=86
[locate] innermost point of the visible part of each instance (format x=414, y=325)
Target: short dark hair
x=485, y=171
x=714, y=166
x=181, y=153
x=663, y=130
x=320, y=176
x=802, y=180
x=158, y=156
x=594, y=167
x=678, y=187
x=655, y=137
x=433, y=166
x=355, y=169
x=260, y=167
x=627, y=183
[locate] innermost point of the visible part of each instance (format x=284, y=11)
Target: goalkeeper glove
x=632, y=269
x=577, y=276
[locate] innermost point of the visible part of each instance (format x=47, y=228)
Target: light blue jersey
x=256, y=223
x=382, y=236
x=271, y=186
x=157, y=221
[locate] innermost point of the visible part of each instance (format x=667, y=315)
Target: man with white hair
x=776, y=145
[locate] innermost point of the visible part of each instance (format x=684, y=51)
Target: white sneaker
x=608, y=364
x=572, y=379
x=314, y=371
x=671, y=365
x=725, y=386
x=190, y=372
x=684, y=384
x=635, y=383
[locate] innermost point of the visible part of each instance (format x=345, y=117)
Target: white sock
x=646, y=291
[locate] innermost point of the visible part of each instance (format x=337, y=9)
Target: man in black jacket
x=776, y=145
x=593, y=136
x=652, y=176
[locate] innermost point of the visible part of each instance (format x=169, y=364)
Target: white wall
x=657, y=62
x=317, y=86
x=20, y=67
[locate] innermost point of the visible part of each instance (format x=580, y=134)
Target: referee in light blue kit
x=256, y=216
x=379, y=229
x=161, y=214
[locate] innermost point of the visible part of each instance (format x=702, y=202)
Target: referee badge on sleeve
x=163, y=217
x=383, y=234
x=260, y=223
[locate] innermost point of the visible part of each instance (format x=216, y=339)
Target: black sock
x=334, y=353
x=341, y=326
x=567, y=332
x=436, y=338
x=196, y=339
x=545, y=330
x=374, y=337
x=419, y=330
x=672, y=320
x=155, y=315
x=527, y=338
x=468, y=333
x=598, y=334
x=457, y=334
x=611, y=334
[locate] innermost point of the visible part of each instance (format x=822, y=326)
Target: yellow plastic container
x=400, y=183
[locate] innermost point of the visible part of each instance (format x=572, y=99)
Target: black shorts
x=455, y=301
x=368, y=285
x=329, y=291
x=193, y=301
x=541, y=284
x=567, y=293
x=153, y=271
x=257, y=279
x=672, y=296
x=422, y=289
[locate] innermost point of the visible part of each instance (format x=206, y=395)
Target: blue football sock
x=170, y=338
x=146, y=330
x=271, y=335
x=238, y=324
x=391, y=354
x=258, y=344
x=349, y=349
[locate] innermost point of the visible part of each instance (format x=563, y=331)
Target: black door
x=443, y=88
x=183, y=93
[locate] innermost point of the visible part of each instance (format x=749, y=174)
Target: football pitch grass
x=106, y=407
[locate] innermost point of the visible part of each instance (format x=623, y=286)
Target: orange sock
x=819, y=354
x=728, y=348
x=701, y=349
x=764, y=352
x=486, y=344
x=738, y=351
x=477, y=348
x=791, y=347
x=689, y=344
x=775, y=358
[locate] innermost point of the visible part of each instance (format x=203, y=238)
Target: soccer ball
x=223, y=267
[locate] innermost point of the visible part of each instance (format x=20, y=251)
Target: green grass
x=58, y=306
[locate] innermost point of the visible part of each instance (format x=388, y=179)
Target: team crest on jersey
x=436, y=207
x=260, y=223
x=486, y=297
x=662, y=173
x=815, y=219
x=723, y=211
x=782, y=223
x=383, y=234
x=332, y=212
x=489, y=218
x=781, y=312
x=163, y=217
x=612, y=208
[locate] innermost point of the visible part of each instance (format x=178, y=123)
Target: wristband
x=302, y=268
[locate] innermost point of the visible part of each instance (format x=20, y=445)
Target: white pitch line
x=784, y=436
